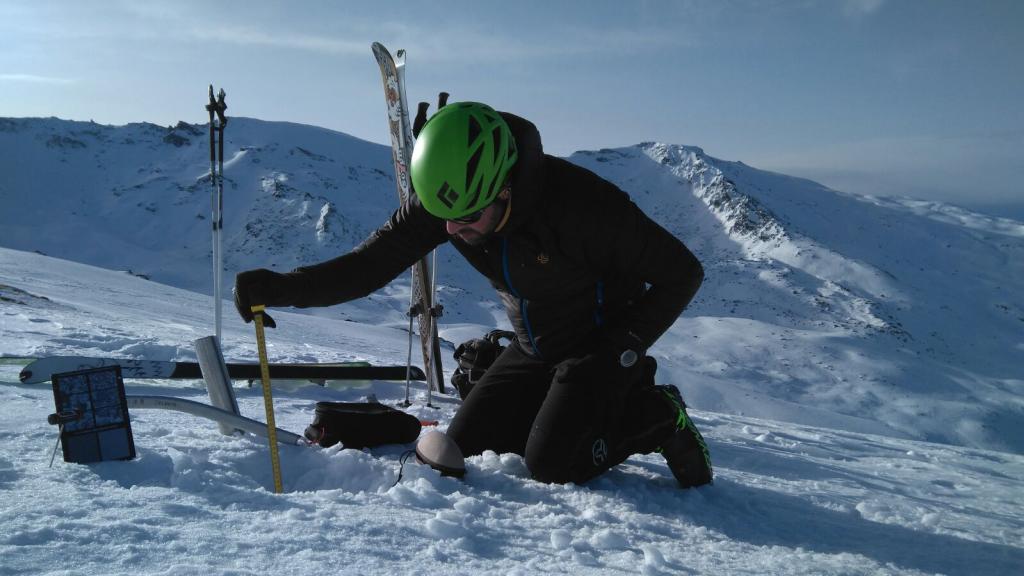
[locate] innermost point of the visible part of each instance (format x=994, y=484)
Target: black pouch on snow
x=475, y=357
x=361, y=425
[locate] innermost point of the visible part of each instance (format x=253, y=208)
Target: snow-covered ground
x=788, y=499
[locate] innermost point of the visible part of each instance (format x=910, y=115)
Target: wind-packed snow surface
x=855, y=363
x=788, y=499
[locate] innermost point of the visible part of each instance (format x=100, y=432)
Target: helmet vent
x=471, y=166
x=496, y=139
x=471, y=174
x=474, y=131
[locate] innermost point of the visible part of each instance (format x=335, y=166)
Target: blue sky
x=912, y=97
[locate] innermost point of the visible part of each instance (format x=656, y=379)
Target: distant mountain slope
x=912, y=313
x=820, y=307
x=140, y=194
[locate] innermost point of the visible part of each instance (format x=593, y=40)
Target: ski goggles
x=473, y=217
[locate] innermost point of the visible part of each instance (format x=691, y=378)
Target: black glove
x=613, y=360
x=623, y=345
x=262, y=286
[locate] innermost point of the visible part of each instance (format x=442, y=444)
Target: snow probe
x=255, y=427
x=148, y=402
x=268, y=399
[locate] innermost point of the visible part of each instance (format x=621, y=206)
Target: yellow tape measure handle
x=268, y=399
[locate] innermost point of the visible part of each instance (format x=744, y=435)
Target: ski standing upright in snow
x=392, y=72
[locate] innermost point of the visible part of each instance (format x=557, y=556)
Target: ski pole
x=413, y=307
x=219, y=277
x=212, y=109
x=217, y=106
x=268, y=400
x=431, y=325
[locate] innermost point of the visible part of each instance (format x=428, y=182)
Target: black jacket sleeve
x=618, y=239
x=410, y=234
x=674, y=275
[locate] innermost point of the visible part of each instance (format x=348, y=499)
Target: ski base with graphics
x=423, y=307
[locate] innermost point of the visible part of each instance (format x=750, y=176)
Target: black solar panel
x=93, y=411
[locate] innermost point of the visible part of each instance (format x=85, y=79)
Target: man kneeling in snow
x=588, y=280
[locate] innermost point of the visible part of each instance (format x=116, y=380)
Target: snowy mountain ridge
x=742, y=216
x=763, y=236
x=819, y=307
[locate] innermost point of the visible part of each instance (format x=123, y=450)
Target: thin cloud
x=436, y=41
x=255, y=36
x=34, y=79
x=455, y=45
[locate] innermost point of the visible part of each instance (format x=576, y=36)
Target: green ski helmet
x=462, y=159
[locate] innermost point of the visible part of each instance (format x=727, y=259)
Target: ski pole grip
x=421, y=119
x=222, y=107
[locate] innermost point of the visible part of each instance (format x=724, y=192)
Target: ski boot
x=685, y=451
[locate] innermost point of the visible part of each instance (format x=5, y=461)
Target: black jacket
x=576, y=260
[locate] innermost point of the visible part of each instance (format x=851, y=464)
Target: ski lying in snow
x=401, y=151
x=43, y=369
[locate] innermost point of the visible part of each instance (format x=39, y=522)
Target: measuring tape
x=268, y=399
